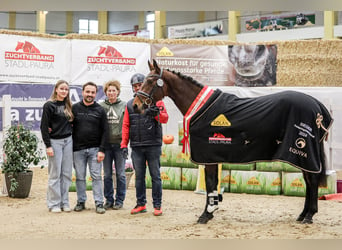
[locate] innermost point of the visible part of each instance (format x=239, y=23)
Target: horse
x=295, y=137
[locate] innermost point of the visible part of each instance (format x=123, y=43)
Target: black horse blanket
x=286, y=126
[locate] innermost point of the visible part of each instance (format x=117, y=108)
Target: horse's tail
x=322, y=177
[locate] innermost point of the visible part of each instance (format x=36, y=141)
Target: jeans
x=60, y=172
x=82, y=158
x=151, y=155
x=114, y=154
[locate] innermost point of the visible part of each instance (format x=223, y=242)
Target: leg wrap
x=212, y=202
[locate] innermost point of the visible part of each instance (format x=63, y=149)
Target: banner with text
x=195, y=30
x=208, y=65
x=31, y=116
x=101, y=61
x=34, y=59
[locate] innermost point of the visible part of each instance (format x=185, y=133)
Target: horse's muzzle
x=136, y=109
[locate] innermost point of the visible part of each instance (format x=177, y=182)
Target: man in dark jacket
x=90, y=128
x=144, y=132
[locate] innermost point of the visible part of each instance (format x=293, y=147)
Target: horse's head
x=152, y=89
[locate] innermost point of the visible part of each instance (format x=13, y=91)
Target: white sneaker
x=55, y=210
x=66, y=209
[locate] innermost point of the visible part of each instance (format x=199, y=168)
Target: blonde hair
x=67, y=110
x=114, y=83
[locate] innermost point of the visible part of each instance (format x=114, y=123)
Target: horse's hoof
x=204, y=218
x=202, y=221
x=300, y=218
x=307, y=221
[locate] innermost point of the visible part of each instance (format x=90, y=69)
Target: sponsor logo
x=219, y=138
x=276, y=182
x=109, y=51
x=165, y=52
x=110, y=55
x=220, y=121
x=298, y=152
x=297, y=183
x=26, y=51
x=300, y=143
x=253, y=181
x=164, y=176
x=304, y=130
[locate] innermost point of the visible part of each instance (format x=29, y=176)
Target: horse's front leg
x=211, y=181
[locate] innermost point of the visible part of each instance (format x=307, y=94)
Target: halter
x=149, y=99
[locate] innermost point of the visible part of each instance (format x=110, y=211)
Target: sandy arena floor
x=241, y=216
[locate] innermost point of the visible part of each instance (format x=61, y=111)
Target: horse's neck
x=183, y=93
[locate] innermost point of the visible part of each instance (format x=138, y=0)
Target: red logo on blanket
x=219, y=138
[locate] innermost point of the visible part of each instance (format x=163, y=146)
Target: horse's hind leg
x=311, y=198
x=211, y=181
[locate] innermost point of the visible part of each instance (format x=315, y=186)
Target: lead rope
x=319, y=124
x=319, y=120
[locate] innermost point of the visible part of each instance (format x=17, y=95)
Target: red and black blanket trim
x=286, y=126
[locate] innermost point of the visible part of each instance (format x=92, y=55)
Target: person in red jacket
x=144, y=133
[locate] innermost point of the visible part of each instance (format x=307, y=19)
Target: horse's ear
x=155, y=65
x=150, y=65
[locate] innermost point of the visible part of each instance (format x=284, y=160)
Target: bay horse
x=288, y=126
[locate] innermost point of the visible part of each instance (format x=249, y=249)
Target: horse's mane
x=187, y=78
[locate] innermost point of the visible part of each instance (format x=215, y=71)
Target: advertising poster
x=35, y=92
x=100, y=61
x=208, y=65
x=195, y=30
x=34, y=59
x=280, y=23
x=252, y=65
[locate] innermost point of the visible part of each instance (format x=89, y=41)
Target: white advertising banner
x=206, y=64
x=100, y=61
x=34, y=59
x=195, y=30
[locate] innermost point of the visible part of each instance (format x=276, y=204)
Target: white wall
x=282, y=35
x=3, y=20
x=121, y=21
x=56, y=22
x=26, y=21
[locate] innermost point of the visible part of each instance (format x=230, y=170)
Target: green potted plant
x=20, y=149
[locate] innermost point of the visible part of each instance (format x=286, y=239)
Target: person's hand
x=49, y=151
x=152, y=111
x=100, y=156
x=124, y=152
